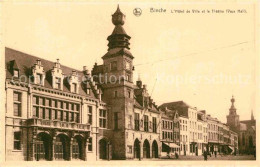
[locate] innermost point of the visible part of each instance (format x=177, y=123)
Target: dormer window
x=74, y=82
x=74, y=88
x=58, y=83
x=14, y=68
x=16, y=73
x=57, y=76
x=38, y=73
x=38, y=79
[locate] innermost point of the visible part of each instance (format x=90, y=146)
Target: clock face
x=127, y=65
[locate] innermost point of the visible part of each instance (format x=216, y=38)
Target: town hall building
x=54, y=112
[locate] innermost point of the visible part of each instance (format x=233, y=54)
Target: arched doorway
x=154, y=149
x=146, y=149
x=102, y=149
x=62, y=147
x=137, y=148
x=43, y=147
x=77, y=147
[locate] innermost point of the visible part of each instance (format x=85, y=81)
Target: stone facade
x=170, y=132
x=200, y=132
x=43, y=123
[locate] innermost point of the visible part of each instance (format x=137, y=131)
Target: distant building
x=213, y=135
x=245, y=129
x=191, y=129
x=200, y=132
x=170, y=132
x=203, y=131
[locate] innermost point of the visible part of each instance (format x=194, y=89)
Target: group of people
x=205, y=154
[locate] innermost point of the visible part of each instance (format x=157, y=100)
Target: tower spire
x=118, y=38
x=232, y=110
x=252, y=115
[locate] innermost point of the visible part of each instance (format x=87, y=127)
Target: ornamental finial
x=118, y=18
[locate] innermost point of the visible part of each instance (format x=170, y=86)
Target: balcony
x=58, y=124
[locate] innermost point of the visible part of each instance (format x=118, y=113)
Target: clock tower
x=117, y=85
x=233, y=118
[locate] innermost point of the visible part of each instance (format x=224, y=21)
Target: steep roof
x=118, y=51
x=136, y=104
x=246, y=124
x=26, y=61
x=249, y=122
x=243, y=127
x=97, y=69
x=180, y=106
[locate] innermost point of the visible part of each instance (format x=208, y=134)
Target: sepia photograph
x=151, y=82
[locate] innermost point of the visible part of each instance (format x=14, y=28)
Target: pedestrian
x=215, y=154
x=176, y=155
x=205, y=154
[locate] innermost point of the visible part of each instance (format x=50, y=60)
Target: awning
x=172, y=145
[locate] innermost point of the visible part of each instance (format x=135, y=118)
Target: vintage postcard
x=148, y=83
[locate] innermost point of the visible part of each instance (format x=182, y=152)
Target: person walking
x=215, y=154
x=176, y=155
x=205, y=154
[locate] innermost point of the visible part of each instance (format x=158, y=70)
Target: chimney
x=139, y=84
x=74, y=73
x=38, y=62
x=84, y=68
x=252, y=115
x=86, y=71
x=57, y=63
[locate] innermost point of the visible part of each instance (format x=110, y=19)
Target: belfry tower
x=233, y=118
x=117, y=86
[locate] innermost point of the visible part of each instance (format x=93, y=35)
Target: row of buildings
x=195, y=131
x=54, y=112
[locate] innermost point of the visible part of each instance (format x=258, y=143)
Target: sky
x=202, y=59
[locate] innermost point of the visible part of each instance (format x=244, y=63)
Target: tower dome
x=118, y=38
x=118, y=18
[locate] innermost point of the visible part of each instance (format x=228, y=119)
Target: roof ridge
x=173, y=102
x=27, y=54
